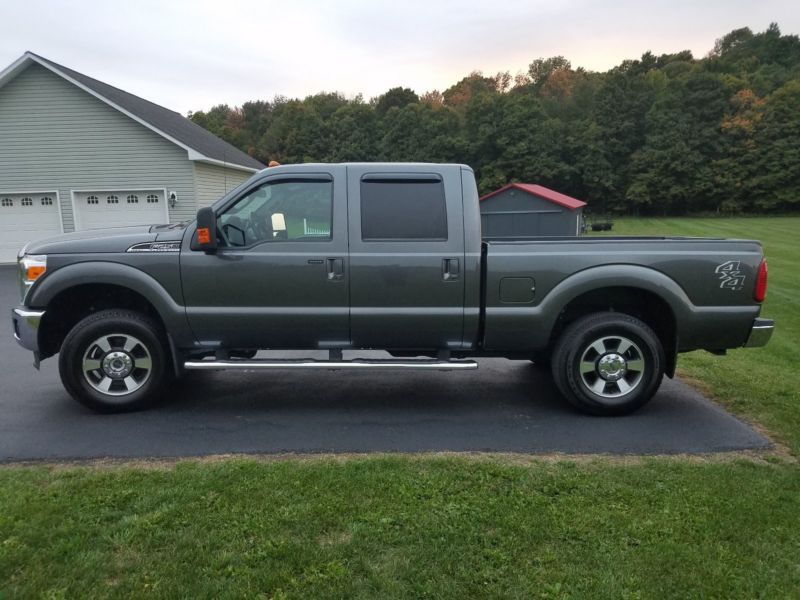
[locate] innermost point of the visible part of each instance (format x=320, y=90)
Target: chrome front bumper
x=26, y=327
x=760, y=333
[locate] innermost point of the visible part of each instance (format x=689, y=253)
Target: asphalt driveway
x=504, y=406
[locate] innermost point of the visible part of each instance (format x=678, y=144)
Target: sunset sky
x=190, y=55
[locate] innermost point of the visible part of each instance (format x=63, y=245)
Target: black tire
x=621, y=382
x=135, y=377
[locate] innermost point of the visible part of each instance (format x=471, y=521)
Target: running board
x=355, y=364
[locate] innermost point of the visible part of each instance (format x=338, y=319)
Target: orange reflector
x=33, y=273
x=203, y=235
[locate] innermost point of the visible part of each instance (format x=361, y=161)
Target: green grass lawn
x=402, y=527
x=442, y=527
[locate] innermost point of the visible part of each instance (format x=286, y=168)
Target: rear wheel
x=608, y=363
x=114, y=361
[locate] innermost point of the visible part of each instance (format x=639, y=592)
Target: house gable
x=200, y=144
x=58, y=137
x=540, y=192
x=516, y=200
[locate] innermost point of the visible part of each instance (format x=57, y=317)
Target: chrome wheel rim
x=612, y=366
x=117, y=364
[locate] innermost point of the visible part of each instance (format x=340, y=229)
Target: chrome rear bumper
x=26, y=327
x=760, y=333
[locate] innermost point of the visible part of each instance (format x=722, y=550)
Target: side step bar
x=355, y=365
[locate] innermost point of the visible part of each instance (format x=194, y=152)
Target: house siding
x=55, y=136
x=213, y=182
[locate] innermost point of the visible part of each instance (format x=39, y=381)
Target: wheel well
x=639, y=303
x=75, y=303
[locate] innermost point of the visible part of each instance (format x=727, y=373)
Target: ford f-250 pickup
x=377, y=256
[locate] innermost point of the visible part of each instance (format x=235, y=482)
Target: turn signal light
x=203, y=235
x=761, y=282
x=32, y=268
x=33, y=272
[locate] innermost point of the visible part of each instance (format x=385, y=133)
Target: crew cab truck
x=377, y=256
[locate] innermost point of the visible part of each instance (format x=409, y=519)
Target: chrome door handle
x=450, y=269
x=335, y=269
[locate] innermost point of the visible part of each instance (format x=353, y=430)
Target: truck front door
x=279, y=277
x=406, y=257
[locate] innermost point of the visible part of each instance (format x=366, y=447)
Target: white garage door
x=95, y=210
x=25, y=217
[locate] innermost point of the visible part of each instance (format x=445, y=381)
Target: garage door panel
x=26, y=217
x=97, y=210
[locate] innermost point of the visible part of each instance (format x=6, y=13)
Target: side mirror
x=205, y=238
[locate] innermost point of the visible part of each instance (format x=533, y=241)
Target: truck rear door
x=406, y=257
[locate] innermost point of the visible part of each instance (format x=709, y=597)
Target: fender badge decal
x=730, y=275
x=156, y=247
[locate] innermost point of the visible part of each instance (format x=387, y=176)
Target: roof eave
x=15, y=68
x=197, y=157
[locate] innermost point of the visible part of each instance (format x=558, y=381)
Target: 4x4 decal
x=730, y=275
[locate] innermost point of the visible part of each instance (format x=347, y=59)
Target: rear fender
x=696, y=326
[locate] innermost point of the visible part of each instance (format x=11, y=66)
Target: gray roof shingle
x=169, y=122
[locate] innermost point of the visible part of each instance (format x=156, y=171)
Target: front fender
x=106, y=272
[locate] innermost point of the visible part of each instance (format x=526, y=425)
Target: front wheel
x=608, y=363
x=114, y=361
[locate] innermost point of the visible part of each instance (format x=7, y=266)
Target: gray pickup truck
x=377, y=256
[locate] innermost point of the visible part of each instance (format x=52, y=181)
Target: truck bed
x=707, y=284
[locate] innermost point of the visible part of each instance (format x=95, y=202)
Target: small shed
x=520, y=210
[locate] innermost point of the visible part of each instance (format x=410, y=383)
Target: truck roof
x=391, y=166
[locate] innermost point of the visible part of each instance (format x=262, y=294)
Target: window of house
x=133, y=199
x=47, y=201
x=293, y=210
x=112, y=199
x=7, y=202
x=152, y=199
x=26, y=201
x=403, y=209
x=92, y=200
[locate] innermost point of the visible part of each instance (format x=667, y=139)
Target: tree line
x=668, y=134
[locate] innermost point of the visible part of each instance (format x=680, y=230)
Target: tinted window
x=403, y=209
x=296, y=210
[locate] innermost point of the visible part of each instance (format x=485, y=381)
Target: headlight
x=31, y=267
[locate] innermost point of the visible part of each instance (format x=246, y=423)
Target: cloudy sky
x=190, y=55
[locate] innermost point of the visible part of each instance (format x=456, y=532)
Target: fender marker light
x=203, y=235
x=31, y=268
x=33, y=272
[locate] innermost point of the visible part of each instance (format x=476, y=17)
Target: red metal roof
x=542, y=192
